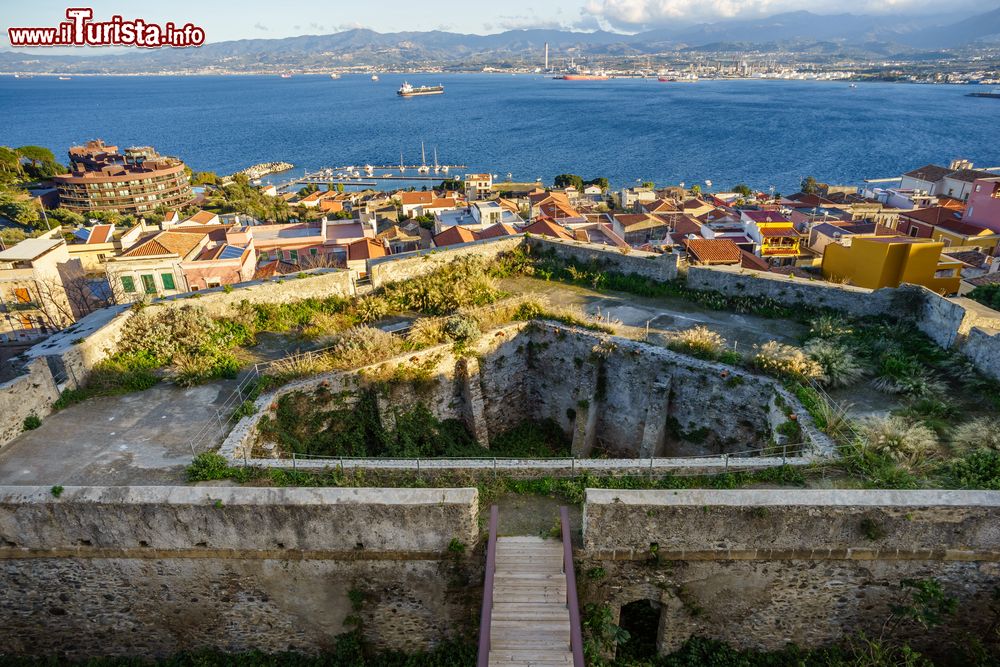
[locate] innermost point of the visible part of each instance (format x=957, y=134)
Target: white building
x=478, y=186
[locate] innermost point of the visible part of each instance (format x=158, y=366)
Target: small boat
x=437, y=167
x=854, y=85
x=334, y=75
x=402, y=167
x=369, y=169
x=995, y=93
x=65, y=78
x=374, y=77
x=286, y=76
x=423, y=168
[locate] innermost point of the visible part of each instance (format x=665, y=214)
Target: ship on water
x=995, y=93
x=406, y=90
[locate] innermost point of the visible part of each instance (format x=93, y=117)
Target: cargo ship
x=406, y=90
x=995, y=93
x=584, y=77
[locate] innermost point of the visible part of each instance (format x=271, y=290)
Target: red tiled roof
x=766, y=216
x=418, y=197
x=365, y=249
x=713, y=251
x=750, y=261
x=548, y=228
x=166, y=243
x=778, y=233
x=932, y=216
x=101, y=234
x=497, y=230
x=201, y=217
x=454, y=235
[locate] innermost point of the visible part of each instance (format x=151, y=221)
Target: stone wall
x=660, y=267
x=733, y=281
x=762, y=568
x=983, y=348
x=31, y=393
x=421, y=262
x=158, y=570
x=627, y=398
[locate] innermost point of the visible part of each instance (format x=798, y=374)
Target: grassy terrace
x=940, y=432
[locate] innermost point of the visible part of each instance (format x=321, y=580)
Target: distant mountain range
x=793, y=31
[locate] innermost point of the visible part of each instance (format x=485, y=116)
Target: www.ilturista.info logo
x=80, y=30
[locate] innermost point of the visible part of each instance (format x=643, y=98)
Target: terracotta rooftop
x=167, y=243
x=713, y=251
x=544, y=227
x=453, y=236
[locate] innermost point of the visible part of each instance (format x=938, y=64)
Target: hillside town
x=121, y=226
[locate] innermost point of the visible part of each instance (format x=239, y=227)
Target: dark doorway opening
x=641, y=619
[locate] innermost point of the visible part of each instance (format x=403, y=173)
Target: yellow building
x=888, y=261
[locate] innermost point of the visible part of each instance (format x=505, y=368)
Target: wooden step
x=532, y=658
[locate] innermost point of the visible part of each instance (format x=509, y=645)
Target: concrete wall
x=762, y=568
x=158, y=570
x=31, y=393
x=646, y=264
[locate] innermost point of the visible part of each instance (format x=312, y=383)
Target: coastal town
x=129, y=225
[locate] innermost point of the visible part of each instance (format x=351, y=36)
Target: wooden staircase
x=530, y=624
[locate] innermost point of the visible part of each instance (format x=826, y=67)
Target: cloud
x=626, y=14
x=317, y=26
x=344, y=27
x=260, y=26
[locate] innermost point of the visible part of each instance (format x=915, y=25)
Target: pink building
x=983, y=208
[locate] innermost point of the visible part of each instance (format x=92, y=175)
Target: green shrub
x=839, y=366
x=988, y=295
x=462, y=328
x=699, y=341
x=979, y=469
x=981, y=433
x=786, y=361
x=898, y=439
x=56, y=491
x=208, y=466
x=31, y=422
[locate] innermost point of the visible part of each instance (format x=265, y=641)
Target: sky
x=248, y=19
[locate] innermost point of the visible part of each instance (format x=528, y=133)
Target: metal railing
x=739, y=460
x=572, y=603
x=486, y=615
x=226, y=414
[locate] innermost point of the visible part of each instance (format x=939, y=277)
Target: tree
x=650, y=185
x=308, y=190
x=340, y=187
x=10, y=165
x=204, y=178
x=41, y=162
x=600, y=182
x=65, y=217
x=566, y=180
x=743, y=189
x=809, y=185
x=696, y=190
x=21, y=210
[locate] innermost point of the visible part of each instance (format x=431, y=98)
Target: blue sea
x=764, y=133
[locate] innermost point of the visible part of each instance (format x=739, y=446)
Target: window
x=293, y=256
x=22, y=295
x=913, y=230
x=148, y=284
x=313, y=251
x=128, y=284
x=946, y=241
x=168, y=281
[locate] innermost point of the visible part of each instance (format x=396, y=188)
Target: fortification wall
x=413, y=264
x=661, y=267
x=762, y=568
x=983, y=348
x=734, y=281
x=631, y=399
x=31, y=393
x=157, y=570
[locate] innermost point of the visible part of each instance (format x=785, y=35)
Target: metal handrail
x=486, y=617
x=572, y=603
